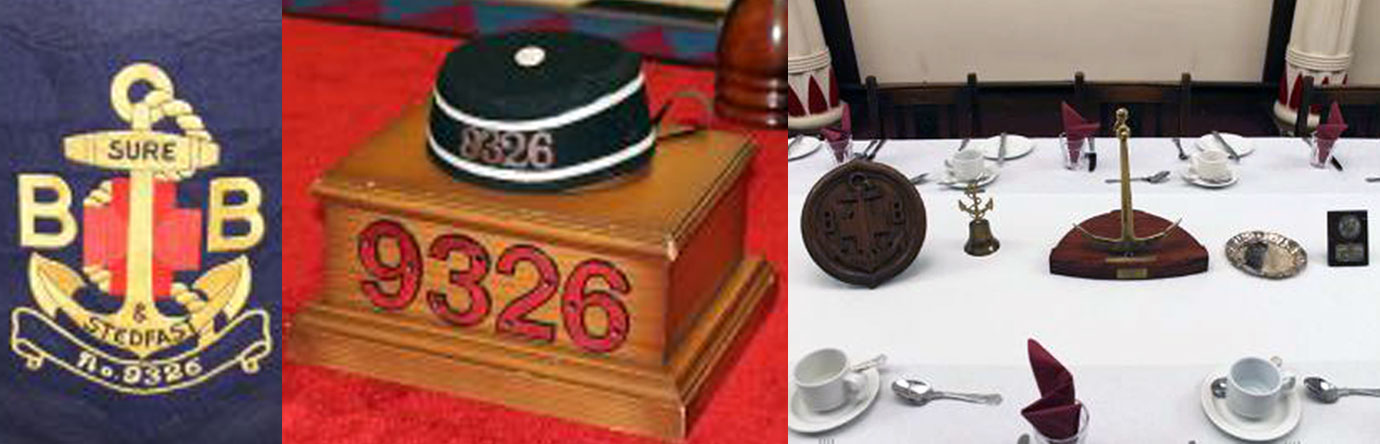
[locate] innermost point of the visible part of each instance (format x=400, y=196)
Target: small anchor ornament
x=980, y=239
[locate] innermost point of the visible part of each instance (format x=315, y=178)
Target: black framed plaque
x=1347, y=237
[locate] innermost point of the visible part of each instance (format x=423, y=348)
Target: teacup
x=825, y=381
x=1255, y=386
x=967, y=165
x=1211, y=165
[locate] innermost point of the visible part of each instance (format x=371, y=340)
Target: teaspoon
x=864, y=365
x=1219, y=388
x=1155, y=178
x=1324, y=392
x=920, y=393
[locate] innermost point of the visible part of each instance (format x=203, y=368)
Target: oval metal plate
x=1265, y=254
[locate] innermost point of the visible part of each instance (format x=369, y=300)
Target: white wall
x=943, y=40
x=1365, y=67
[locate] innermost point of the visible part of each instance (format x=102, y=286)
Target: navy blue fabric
x=57, y=59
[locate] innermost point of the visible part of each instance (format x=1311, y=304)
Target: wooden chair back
x=904, y=111
x=1347, y=97
x=1150, y=103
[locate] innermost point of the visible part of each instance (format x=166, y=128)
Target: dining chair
x=1348, y=97
x=1150, y=104
x=907, y=111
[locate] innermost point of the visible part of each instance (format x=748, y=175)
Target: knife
x=872, y=153
x=1001, y=151
x=1092, y=154
x=1232, y=152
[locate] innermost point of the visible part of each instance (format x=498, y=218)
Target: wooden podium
x=610, y=306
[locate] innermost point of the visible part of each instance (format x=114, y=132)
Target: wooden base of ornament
x=674, y=231
x=750, y=84
x=1178, y=254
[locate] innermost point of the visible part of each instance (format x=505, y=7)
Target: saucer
x=983, y=180
x=1284, y=419
x=1016, y=146
x=1243, y=146
x=799, y=151
x=804, y=420
x=1192, y=177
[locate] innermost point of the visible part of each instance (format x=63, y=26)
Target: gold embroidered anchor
x=136, y=240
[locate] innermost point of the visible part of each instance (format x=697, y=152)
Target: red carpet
x=342, y=83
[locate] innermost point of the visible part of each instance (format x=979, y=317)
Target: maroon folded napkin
x=1075, y=126
x=1057, y=412
x=840, y=138
x=1329, y=132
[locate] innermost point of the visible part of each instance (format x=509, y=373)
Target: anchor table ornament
x=1159, y=249
x=980, y=239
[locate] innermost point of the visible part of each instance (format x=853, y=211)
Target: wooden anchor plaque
x=611, y=306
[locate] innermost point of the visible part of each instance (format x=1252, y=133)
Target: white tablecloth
x=1137, y=349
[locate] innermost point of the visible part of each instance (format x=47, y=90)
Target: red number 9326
x=470, y=302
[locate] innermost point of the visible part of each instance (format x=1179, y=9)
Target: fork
x=1180, y=147
x=826, y=441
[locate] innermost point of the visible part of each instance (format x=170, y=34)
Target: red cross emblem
x=176, y=237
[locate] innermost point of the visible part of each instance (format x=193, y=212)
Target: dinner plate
x=804, y=420
x=805, y=147
x=1243, y=146
x=1283, y=420
x=1016, y=146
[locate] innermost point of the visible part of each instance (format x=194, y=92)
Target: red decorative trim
x=817, y=103
x=794, y=107
x=1297, y=92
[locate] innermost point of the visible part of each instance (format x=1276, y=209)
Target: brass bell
x=980, y=239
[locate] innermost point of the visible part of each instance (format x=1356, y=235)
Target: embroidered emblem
x=165, y=335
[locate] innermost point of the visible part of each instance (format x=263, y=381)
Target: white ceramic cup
x=1255, y=386
x=1211, y=165
x=824, y=381
x=967, y=165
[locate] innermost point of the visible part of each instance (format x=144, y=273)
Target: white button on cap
x=529, y=56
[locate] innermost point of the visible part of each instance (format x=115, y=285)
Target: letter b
x=220, y=211
x=31, y=210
